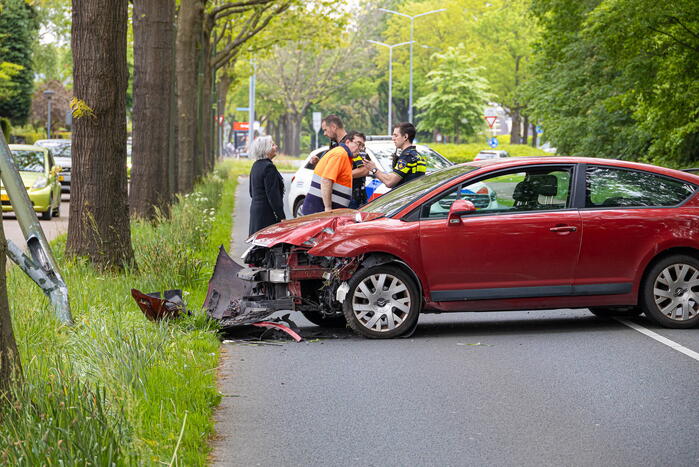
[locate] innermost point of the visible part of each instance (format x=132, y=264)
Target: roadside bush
x=29, y=134
x=459, y=153
x=5, y=127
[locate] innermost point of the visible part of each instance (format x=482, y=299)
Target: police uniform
x=409, y=165
x=358, y=184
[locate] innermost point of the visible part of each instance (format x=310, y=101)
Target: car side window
x=533, y=189
x=616, y=187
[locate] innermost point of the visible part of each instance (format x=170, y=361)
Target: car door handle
x=564, y=228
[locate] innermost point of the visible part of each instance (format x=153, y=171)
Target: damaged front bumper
x=291, y=280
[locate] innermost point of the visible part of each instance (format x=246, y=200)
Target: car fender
x=659, y=250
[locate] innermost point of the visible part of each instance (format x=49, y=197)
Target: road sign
x=241, y=126
x=539, y=130
x=493, y=142
x=242, y=109
x=491, y=119
x=316, y=121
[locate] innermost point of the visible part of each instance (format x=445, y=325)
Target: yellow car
x=40, y=175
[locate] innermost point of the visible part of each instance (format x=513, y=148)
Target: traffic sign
x=539, y=130
x=241, y=126
x=316, y=121
x=491, y=119
x=493, y=142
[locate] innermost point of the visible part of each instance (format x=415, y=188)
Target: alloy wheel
x=676, y=292
x=381, y=302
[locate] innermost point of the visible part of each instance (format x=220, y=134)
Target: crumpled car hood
x=297, y=231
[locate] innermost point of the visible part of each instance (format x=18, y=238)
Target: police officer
x=408, y=165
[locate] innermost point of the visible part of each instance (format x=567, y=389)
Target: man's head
x=403, y=134
x=355, y=140
x=332, y=127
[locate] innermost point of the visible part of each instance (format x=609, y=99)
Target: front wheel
x=298, y=204
x=670, y=293
x=382, y=302
x=46, y=215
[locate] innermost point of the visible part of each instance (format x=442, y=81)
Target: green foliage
x=17, y=28
x=458, y=153
x=617, y=78
x=29, y=134
x=116, y=389
x=5, y=127
x=455, y=104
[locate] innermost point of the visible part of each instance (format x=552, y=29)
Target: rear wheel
x=325, y=321
x=670, y=292
x=57, y=210
x=298, y=204
x=382, y=302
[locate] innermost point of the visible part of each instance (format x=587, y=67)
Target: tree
x=10, y=366
x=99, y=217
x=17, y=27
x=153, y=88
x=60, y=105
x=455, y=104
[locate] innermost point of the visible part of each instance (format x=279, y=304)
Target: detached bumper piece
x=233, y=297
x=156, y=308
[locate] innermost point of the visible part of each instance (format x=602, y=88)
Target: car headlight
x=40, y=182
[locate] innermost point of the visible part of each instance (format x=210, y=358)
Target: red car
x=609, y=235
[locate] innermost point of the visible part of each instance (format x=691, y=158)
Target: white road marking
x=663, y=340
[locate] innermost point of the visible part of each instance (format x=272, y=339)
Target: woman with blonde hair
x=266, y=186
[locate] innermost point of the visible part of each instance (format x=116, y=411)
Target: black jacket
x=267, y=193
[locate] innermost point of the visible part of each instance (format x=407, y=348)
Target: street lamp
x=390, y=76
x=48, y=94
x=412, y=23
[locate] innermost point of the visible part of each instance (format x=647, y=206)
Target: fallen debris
x=156, y=308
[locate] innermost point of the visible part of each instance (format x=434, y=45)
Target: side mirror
x=458, y=209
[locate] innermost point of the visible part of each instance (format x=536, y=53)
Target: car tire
x=378, y=314
x=298, y=204
x=670, y=292
x=612, y=311
x=325, y=321
x=46, y=215
x=57, y=212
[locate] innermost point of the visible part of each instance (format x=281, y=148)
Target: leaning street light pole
x=390, y=77
x=412, y=24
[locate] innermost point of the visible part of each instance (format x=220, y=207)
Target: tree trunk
x=152, y=88
x=277, y=132
x=98, y=226
x=525, y=134
x=516, y=131
x=535, y=137
x=10, y=366
x=293, y=134
x=189, y=21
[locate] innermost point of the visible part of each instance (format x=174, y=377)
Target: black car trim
x=500, y=293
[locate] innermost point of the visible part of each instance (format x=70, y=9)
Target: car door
x=628, y=214
x=522, y=242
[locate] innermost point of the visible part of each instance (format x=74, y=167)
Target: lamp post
x=48, y=94
x=390, y=76
x=412, y=23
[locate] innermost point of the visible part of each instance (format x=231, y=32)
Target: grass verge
x=116, y=389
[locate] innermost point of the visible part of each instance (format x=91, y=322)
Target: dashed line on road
x=663, y=340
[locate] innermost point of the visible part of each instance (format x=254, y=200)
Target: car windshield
x=63, y=151
x=393, y=201
x=433, y=160
x=29, y=161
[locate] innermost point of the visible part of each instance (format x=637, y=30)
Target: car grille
x=479, y=201
x=65, y=170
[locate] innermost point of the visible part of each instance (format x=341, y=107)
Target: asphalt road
x=52, y=228
x=540, y=388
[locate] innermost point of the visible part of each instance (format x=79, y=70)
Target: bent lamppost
x=41, y=267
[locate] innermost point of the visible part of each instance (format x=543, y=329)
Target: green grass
x=458, y=153
x=116, y=389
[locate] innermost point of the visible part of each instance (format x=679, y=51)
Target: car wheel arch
x=378, y=258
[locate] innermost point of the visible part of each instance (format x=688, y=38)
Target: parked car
x=487, y=155
x=40, y=176
x=61, y=151
x=380, y=149
x=609, y=235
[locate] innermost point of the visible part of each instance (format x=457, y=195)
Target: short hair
x=261, y=146
x=335, y=120
x=353, y=134
x=407, y=129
